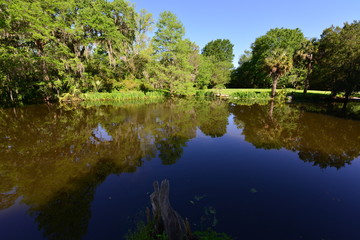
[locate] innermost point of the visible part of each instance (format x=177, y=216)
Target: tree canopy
x=50, y=49
x=220, y=49
x=338, y=67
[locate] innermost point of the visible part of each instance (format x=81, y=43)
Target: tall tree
x=51, y=47
x=173, y=68
x=221, y=50
x=278, y=62
x=170, y=32
x=273, y=52
x=219, y=54
x=339, y=59
x=305, y=56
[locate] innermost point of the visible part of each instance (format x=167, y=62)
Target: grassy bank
x=264, y=94
x=234, y=95
x=114, y=96
x=120, y=96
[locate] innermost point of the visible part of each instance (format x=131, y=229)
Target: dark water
x=251, y=171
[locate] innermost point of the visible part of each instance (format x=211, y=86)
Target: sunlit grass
x=121, y=96
x=263, y=94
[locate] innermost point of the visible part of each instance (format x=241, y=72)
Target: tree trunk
x=346, y=100
x=167, y=220
x=271, y=109
x=273, y=90
x=110, y=54
x=11, y=95
x=306, y=83
x=9, y=88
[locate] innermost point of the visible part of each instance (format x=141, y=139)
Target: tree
x=51, y=47
x=246, y=75
x=134, y=66
x=279, y=62
x=272, y=53
x=221, y=50
x=170, y=32
x=216, y=63
x=338, y=67
x=305, y=55
x=174, y=67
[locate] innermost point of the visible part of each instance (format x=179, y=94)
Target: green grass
x=230, y=91
x=121, y=96
x=236, y=93
x=253, y=94
x=311, y=95
x=261, y=94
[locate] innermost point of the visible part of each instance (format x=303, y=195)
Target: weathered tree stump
x=166, y=219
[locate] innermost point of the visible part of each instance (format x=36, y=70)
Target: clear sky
x=242, y=21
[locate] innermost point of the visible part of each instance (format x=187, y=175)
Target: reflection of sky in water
x=99, y=134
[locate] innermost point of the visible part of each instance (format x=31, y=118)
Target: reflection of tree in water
x=66, y=215
x=264, y=126
x=214, y=119
x=171, y=149
x=55, y=159
x=326, y=141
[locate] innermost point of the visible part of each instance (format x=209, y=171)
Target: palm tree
x=279, y=62
x=306, y=54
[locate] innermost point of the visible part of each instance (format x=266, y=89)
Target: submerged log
x=166, y=219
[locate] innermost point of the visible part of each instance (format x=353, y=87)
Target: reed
x=121, y=96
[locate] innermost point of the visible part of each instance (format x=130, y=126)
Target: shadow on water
x=55, y=158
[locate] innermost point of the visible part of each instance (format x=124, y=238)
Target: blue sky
x=243, y=21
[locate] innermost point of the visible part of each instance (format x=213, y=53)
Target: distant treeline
x=52, y=48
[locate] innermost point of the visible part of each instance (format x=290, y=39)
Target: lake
x=253, y=171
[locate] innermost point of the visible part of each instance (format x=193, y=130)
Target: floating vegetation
x=209, y=217
x=211, y=235
x=253, y=190
x=199, y=197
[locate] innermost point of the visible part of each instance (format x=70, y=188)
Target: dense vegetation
x=284, y=56
x=52, y=49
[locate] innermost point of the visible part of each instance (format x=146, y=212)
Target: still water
x=251, y=171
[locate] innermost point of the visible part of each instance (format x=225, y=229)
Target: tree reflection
x=66, y=215
x=55, y=158
x=213, y=119
x=317, y=138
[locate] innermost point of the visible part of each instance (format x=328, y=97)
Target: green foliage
x=221, y=50
x=49, y=47
x=304, y=59
x=215, y=65
x=338, y=67
x=273, y=53
x=53, y=50
x=175, y=62
x=211, y=235
x=120, y=96
x=271, y=56
x=169, y=33
x=142, y=232
x=204, y=76
x=250, y=95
